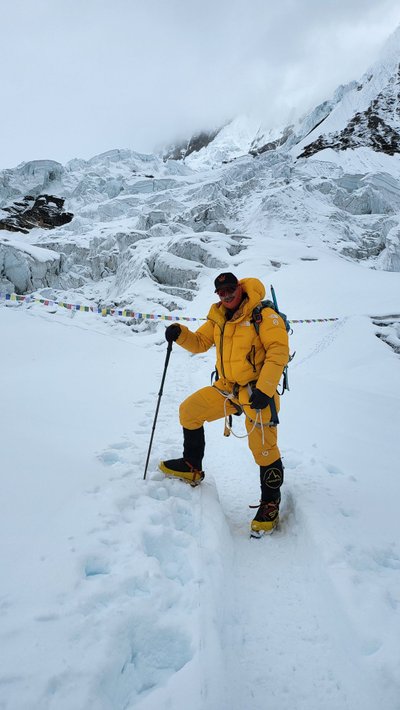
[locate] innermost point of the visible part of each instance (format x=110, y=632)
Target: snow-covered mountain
x=119, y=593
x=364, y=113
x=331, y=182
x=368, y=115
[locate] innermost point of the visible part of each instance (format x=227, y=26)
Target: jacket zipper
x=221, y=352
x=251, y=358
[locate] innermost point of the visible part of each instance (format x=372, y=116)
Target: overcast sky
x=79, y=77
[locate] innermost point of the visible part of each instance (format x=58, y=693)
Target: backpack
x=256, y=319
x=256, y=316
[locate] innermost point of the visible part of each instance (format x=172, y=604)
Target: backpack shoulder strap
x=256, y=316
x=256, y=319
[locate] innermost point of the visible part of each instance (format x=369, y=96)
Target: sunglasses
x=227, y=291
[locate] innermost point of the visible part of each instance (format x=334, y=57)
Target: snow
x=118, y=592
x=125, y=593
x=40, y=255
x=357, y=99
x=233, y=141
x=26, y=267
x=362, y=160
x=125, y=236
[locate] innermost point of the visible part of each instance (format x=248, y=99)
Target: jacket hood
x=255, y=291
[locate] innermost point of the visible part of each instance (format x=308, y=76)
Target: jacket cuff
x=267, y=388
x=182, y=335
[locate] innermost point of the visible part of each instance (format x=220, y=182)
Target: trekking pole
x=169, y=350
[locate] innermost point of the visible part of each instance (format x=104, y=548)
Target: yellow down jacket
x=243, y=356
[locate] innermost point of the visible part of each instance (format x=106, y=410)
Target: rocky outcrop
x=44, y=211
x=377, y=127
x=272, y=145
x=193, y=145
x=365, y=129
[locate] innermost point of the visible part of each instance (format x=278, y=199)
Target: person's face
x=230, y=296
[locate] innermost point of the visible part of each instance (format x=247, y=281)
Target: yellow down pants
x=209, y=404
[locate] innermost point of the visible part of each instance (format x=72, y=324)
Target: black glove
x=172, y=333
x=258, y=400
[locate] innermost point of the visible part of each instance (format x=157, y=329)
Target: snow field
x=118, y=593
x=317, y=605
x=124, y=593
x=107, y=595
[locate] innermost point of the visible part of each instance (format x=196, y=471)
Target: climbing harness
x=257, y=422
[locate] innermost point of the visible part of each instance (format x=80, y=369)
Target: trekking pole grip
x=168, y=355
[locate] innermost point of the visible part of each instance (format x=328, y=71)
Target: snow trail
x=289, y=638
x=288, y=635
x=148, y=594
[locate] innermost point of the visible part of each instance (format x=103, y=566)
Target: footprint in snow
x=95, y=566
x=158, y=492
x=177, y=489
x=117, y=453
x=109, y=458
x=169, y=547
x=157, y=652
x=346, y=513
x=333, y=470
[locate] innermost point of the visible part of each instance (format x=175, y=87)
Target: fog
x=82, y=78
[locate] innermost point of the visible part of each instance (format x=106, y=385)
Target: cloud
x=80, y=78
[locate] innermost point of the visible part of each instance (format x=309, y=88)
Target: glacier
x=121, y=593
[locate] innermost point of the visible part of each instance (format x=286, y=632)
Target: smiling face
x=230, y=296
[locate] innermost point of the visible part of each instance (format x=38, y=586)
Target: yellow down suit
x=243, y=357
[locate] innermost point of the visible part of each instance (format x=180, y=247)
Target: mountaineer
x=251, y=356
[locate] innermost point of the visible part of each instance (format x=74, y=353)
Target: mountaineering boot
x=182, y=469
x=271, y=479
x=188, y=468
x=267, y=516
x=266, y=519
